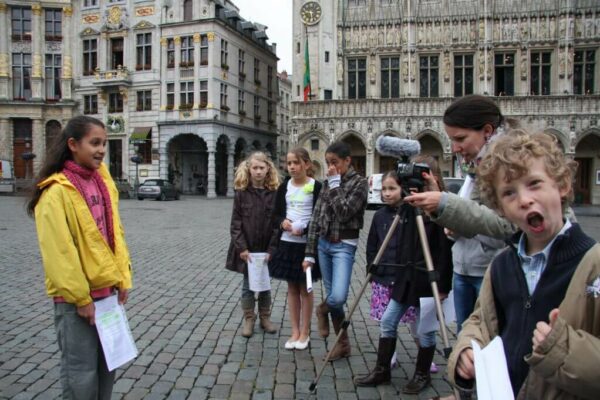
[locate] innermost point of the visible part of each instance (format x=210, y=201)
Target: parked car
x=374, y=199
x=7, y=177
x=453, y=184
x=158, y=189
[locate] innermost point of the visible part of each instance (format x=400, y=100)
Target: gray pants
x=83, y=371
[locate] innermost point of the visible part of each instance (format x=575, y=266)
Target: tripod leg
x=346, y=322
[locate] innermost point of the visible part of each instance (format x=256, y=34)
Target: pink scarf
x=75, y=174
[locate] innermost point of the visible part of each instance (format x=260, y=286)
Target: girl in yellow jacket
x=82, y=243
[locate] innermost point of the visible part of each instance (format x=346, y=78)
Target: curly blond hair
x=512, y=154
x=242, y=174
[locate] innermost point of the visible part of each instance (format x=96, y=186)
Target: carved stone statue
x=364, y=36
x=446, y=67
x=481, y=65
x=389, y=37
x=579, y=27
x=373, y=71
x=413, y=63
x=543, y=31
x=373, y=37
x=455, y=32
x=473, y=32
x=524, y=65
x=340, y=70
x=552, y=24
x=381, y=36
x=420, y=33
x=405, y=70
x=428, y=33
x=481, y=30
x=524, y=29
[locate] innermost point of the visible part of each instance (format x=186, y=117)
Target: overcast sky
x=277, y=15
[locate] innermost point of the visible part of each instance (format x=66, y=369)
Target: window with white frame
x=143, y=57
x=224, y=105
x=170, y=96
x=53, y=24
x=90, y=104
x=256, y=107
x=540, y=72
x=52, y=69
x=186, y=95
x=115, y=102
x=224, y=54
x=187, y=51
x=90, y=56
x=170, y=53
x=144, y=100
x=20, y=23
x=21, y=76
x=241, y=63
x=203, y=94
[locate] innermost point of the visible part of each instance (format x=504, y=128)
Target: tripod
x=432, y=275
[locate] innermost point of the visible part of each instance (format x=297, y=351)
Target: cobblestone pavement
x=185, y=316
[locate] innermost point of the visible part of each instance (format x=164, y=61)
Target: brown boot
x=249, y=317
x=342, y=349
x=382, y=372
x=422, y=378
x=322, y=312
x=264, y=313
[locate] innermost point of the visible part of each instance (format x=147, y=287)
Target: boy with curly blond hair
x=541, y=294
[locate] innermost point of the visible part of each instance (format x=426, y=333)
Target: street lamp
x=136, y=160
x=27, y=156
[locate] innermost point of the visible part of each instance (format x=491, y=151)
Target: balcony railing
x=116, y=77
x=434, y=107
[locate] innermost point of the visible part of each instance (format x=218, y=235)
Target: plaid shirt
x=338, y=209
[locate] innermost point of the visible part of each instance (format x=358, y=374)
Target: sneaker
x=434, y=368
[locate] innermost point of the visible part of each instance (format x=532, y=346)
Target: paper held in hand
x=258, y=272
x=114, y=332
x=491, y=372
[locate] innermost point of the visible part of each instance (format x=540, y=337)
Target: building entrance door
x=115, y=158
x=581, y=188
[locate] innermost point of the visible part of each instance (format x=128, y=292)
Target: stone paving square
x=185, y=316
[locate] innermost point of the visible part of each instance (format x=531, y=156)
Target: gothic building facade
x=391, y=67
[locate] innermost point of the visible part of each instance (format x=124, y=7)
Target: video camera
x=411, y=175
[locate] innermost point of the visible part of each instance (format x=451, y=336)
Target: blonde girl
x=294, y=204
x=256, y=182
x=82, y=243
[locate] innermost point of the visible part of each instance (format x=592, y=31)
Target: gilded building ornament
x=163, y=41
x=210, y=36
x=144, y=11
x=68, y=11
x=36, y=69
x=36, y=9
x=196, y=38
x=91, y=18
x=67, y=72
x=3, y=65
x=114, y=15
x=2, y=7
x=177, y=40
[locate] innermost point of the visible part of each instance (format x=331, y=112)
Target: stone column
x=103, y=53
x=177, y=41
x=4, y=81
x=370, y=162
x=67, y=63
x=211, y=193
x=36, y=39
x=38, y=144
x=6, y=140
x=196, y=73
x=163, y=73
x=230, y=171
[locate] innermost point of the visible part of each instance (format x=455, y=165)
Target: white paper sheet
x=491, y=372
x=258, y=272
x=309, y=279
x=114, y=332
x=428, y=317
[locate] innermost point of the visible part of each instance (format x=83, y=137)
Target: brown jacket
x=565, y=365
x=251, y=225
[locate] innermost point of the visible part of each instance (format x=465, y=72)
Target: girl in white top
x=294, y=204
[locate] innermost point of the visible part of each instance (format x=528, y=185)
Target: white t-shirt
x=299, y=202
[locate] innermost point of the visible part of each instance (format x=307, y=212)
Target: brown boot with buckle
x=422, y=378
x=249, y=317
x=322, y=312
x=342, y=349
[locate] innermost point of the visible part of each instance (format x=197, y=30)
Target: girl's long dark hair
x=58, y=153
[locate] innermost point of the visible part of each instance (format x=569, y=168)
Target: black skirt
x=286, y=263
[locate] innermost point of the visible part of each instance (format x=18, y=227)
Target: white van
x=374, y=199
x=7, y=177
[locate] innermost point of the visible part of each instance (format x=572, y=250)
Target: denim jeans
x=391, y=318
x=466, y=290
x=336, y=261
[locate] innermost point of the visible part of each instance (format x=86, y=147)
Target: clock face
x=310, y=13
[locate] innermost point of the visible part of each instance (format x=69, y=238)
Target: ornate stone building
x=187, y=85
x=283, y=117
x=36, y=76
x=391, y=67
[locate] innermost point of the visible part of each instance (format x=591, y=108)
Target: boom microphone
x=396, y=147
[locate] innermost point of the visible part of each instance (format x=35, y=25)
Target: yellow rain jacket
x=76, y=257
